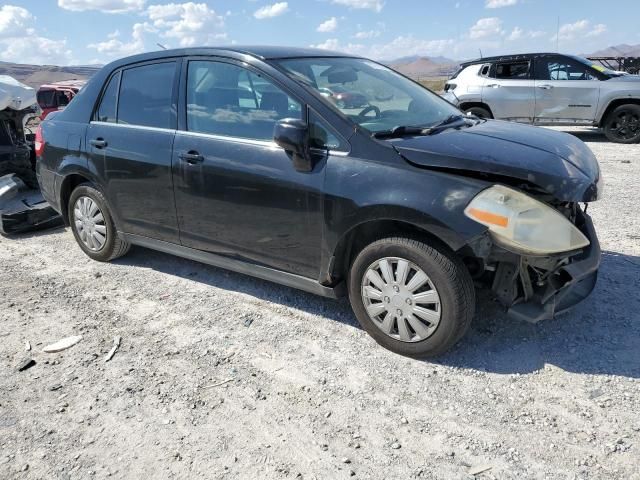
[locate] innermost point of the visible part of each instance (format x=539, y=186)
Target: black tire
x=114, y=246
x=619, y=132
x=479, y=112
x=448, y=275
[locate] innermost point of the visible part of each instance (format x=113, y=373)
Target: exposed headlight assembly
x=522, y=224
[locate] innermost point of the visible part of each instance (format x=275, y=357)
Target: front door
x=566, y=91
x=236, y=191
x=509, y=91
x=130, y=141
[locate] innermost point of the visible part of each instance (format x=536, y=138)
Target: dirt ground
x=223, y=376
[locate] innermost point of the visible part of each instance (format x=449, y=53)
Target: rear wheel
x=93, y=226
x=413, y=299
x=479, y=112
x=622, y=125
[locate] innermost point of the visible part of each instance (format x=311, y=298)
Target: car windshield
x=372, y=95
x=600, y=68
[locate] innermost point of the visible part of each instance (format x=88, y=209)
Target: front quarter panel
x=615, y=91
x=360, y=190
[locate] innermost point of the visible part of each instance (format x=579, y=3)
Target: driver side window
x=561, y=69
x=225, y=99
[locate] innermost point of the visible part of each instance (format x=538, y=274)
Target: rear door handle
x=191, y=157
x=494, y=85
x=98, y=142
x=545, y=87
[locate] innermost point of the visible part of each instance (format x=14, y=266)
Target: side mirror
x=293, y=135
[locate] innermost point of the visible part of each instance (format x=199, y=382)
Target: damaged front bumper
x=537, y=288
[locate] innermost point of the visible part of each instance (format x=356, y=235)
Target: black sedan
x=234, y=157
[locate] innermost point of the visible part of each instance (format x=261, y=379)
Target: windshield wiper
x=401, y=131
x=447, y=121
x=404, y=130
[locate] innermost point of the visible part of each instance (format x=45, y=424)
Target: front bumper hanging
x=570, y=281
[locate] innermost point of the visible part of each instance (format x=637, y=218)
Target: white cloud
x=402, y=45
x=375, y=5
x=499, y=3
x=115, y=48
x=270, y=11
x=598, y=29
x=328, y=25
x=189, y=23
x=579, y=29
x=35, y=50
x=367, y=34
x=516, y=34
x=15, y=21
x=20, y=43
x=105, y=6
x=486, y=27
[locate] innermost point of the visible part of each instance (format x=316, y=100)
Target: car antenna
x=480, y=53
x=161, y=46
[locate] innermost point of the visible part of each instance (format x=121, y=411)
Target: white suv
x=549, y=89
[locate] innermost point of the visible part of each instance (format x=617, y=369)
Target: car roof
x=263, y=52
x=508, y=58
x=75, y=83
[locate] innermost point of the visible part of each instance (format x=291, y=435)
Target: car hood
x=626, y=79
x=555, y=162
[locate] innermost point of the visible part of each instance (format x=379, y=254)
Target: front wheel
x=622, y=125
x=413, y=299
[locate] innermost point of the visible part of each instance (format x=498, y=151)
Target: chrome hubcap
x=89, y=223
x=400, y=299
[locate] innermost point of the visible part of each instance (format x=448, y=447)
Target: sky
x=81, y=32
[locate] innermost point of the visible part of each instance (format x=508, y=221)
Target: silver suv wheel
x=90, y=223
x=400, y=299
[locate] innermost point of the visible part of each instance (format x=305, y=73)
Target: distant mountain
x=416, y=66
x=413, y=58
x=622, y=50
x=36, y=75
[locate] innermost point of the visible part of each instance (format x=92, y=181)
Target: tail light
x=449, y=86
x=39, y=142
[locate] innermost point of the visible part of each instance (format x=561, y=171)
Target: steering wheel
x=370, y=108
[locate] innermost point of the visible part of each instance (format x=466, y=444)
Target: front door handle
x=494, y=85
x=98, y=142
x=191, y=157
x=545, y=87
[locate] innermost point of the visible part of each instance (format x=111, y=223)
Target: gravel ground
x=306, y=393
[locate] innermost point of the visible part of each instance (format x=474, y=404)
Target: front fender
x=361, y=191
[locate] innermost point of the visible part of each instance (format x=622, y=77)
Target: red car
x=55, y=96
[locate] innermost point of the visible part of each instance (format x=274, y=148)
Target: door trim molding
x=239, y=266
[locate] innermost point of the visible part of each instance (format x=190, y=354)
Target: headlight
x=524, y=224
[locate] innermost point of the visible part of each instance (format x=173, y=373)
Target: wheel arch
x=466, y=105
x=367, y=231
x=72, y=176
x=615, y=103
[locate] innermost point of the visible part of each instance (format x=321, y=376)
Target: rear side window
x=145, y=95
x=517, y=70
x=107, y=109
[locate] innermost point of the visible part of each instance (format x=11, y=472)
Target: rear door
x=566, y=91
x=130, y=140
x=509, y=91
